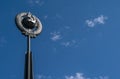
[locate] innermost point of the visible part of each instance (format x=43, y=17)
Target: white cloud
x=59, y=16
x=45, y=17
x=90, y=23
x=67, y=27
x=55, y=36
x=43, y=77
x=81, y=76
x=76, y=76
x=69, y=43
x=101, y=77
x=39, y=76
x=99, y=20
x=66, y=44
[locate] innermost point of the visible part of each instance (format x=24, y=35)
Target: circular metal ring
x=32, y=32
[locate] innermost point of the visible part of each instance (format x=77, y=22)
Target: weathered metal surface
x=28, y=24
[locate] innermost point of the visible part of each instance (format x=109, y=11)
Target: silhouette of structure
x=30, y=26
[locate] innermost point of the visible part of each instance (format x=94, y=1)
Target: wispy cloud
x=58, y=16
x=99, y=20
x=36, y=2
x=69, y=43
x=45, y=17
x=43, y=77
x=55, y=36
x=81, y=76
x=76, y=76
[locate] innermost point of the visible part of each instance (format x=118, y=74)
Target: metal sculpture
x=30, y=26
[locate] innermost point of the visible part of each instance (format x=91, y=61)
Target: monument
x=30, y=26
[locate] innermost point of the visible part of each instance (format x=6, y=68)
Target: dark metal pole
x=28, y=61
x=28, y=74
x=28, y=44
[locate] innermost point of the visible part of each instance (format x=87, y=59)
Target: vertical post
x=29, y=57
x=28, y=60
x=28, y=74
x=28, y=44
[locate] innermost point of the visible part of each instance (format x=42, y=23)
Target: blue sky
x=80, y=39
